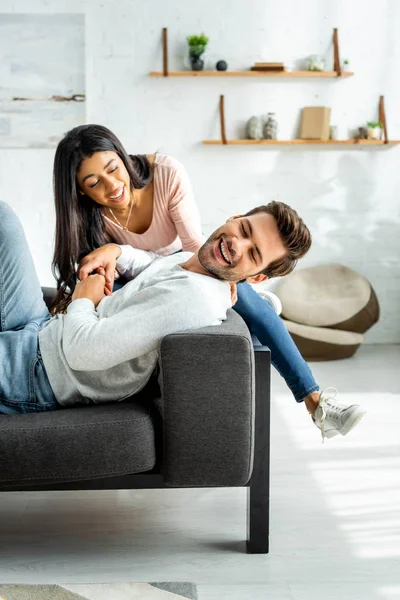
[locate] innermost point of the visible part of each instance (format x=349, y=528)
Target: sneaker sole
x=331, y=433
x=351, y=423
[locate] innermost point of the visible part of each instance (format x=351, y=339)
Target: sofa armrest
x=207, y=379
x=49, y=295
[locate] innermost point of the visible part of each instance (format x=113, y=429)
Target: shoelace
x=324, y=398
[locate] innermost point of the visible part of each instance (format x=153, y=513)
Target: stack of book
x=269, y=66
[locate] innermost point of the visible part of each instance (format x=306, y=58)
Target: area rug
x=102, y=591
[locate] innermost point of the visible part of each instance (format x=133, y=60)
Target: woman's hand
x=92, y=287
x=234, y=296
x=102, y=261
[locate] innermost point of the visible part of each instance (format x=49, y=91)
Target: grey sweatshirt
x=109, y=353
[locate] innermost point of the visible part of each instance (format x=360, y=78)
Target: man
x=106, y=345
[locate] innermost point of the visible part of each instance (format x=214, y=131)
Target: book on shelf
x=269, y=64
x=269, y=69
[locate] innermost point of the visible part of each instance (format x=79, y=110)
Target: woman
x=102, y=195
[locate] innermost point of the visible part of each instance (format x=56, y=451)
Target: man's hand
x=92, y=288
x=103, y=261
x=234, y=296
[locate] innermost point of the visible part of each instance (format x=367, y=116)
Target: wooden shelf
x=301, y=142
x=284, y=74
x=336, y=73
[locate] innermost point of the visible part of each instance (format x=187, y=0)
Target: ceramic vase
x=254, y=128
x=374, y=133
x=196, y=63
x=270, y=127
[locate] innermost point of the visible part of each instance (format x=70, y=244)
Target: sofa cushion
x=322, y=343
x=329, y=295
x=72, y=444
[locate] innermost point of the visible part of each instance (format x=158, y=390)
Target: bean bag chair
x=328, y=297
x=323, y=343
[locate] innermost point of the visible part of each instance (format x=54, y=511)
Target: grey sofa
x=202, y=422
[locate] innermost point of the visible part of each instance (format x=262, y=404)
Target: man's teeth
x=223, y=252
x=119, y=195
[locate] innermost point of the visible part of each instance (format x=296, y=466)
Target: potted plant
x=374, y=130
x=197, y=45
x=346, y=65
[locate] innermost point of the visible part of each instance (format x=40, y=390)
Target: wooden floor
x=335, y=514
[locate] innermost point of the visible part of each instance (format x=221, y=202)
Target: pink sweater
x=176, y=221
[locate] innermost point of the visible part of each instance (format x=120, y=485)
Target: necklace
x=124, y=227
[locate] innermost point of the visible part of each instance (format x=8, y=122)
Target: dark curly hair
x=79, y=220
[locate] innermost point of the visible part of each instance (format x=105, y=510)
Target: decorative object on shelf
x=346, y=66
x=221, y=65
x=197, y=45
x=316, y=63
x=362, y=134
x=315, y=123
x=334, y=132
x=374, y=130
x=274, y=67
x=254, y=128
x=271, y=127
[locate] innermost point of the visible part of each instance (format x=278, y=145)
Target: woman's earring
x=81, y=193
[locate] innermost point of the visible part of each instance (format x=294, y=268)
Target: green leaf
x=198, y=40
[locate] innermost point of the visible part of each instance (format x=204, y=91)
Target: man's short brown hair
x=294, y=234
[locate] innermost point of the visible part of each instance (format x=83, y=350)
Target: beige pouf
x=331, y=296
x=322, y=343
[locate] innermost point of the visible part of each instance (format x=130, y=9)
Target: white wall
x=349, y=198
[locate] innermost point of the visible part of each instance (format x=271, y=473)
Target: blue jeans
x=24, y=386
x=266, y=325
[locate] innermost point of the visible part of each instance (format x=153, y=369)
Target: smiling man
x=248, y=245
x=106, y=345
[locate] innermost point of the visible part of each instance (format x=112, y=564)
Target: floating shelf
x=335, y=74
x=362, y=142
x=283, y=74
x=301, y=142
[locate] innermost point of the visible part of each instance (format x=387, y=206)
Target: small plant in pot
x=374, y=130
x=197, y=46
x=346, y=65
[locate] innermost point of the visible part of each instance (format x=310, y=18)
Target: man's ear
x=257, y=278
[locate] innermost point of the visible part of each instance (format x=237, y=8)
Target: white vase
x=374, y=133
x=271, y=127
x=334, y=132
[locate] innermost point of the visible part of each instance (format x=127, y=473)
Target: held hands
x=103, y=261
x=93, y=288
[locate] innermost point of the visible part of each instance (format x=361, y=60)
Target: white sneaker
x=333, y=418
x=273, y=300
